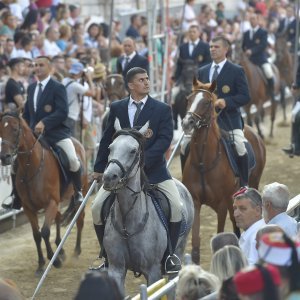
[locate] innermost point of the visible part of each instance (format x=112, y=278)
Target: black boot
x=99, y=229
x=16, y=201
x=271, y=88
x=243, y=168
x=172, y=261
x=294, y=147
x=76, y=179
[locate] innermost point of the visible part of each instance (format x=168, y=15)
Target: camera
x=88, y=69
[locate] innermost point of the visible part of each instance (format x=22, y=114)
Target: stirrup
x=95, y=266
x=174, y=262
x=78, y=198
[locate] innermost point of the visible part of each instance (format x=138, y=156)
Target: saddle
x=61, y=158
x=160, y=202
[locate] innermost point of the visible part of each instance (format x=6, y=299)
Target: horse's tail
x=69, y=213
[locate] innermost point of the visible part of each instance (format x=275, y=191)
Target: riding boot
x=294, y=147
x=76, y=179
x=99, y=229
x=271, y=88
x=16, y=201
x=172, y=261
x=243, y=168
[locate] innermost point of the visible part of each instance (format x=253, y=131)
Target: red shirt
x=43, y=3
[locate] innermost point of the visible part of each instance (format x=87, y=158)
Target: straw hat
x=99, y=71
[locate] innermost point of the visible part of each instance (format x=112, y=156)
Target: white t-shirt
x=73, y=90
x=51, y=48
x=189, y=14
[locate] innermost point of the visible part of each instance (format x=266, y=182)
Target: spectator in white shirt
x=50, y=47
x=247, y=208
x=275, y=199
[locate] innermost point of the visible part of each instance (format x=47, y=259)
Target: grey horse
x=135, y=238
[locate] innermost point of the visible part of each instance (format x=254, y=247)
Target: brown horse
x=39, y=182
x=115, y=87
x=284, y=63
x=258, y=89
x=207, y=172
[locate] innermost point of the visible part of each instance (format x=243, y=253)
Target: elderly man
x=247, y=206
x=275, y=199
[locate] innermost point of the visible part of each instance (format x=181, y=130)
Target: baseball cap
x=76, y=68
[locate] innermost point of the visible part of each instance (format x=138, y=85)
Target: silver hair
x=277, y=194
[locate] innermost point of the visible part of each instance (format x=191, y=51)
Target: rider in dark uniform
x=232, y=93
x=255, y=43
x=192, y=55
x=294, y=148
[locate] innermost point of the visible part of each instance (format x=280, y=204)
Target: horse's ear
x=195, y=81
x=117, y=125
x=144, y=129
x=213, y=86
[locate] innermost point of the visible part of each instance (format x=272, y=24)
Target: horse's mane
x=210, y=88
x=140, y=138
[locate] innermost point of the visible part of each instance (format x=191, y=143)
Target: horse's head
x=125, y=157
x=200, y=107
x=10, y=129
x=115, y=87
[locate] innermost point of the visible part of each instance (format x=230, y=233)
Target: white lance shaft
x=174, y=150
x=81, y=207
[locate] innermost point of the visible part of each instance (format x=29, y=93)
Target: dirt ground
x=18, y=258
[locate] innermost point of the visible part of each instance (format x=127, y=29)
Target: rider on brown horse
x=46, y=110
x=255, y=42
x=232, y=92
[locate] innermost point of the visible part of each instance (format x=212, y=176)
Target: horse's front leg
x=222, y=213
x=118, y=273
x=58, y=237
x=154, y=274
x=50, y=215
x=196, y=232
x=37, y=238
x=79, y=224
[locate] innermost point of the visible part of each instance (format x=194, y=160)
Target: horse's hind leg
x=58, y=237
x=257, y=120
x=273, y=114
x=282, y=101
x=50, y=215
x=222, y=213
x=38, y=240
x=196, y=234
x=79, y=224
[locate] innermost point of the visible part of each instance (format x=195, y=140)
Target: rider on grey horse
x=135, y=111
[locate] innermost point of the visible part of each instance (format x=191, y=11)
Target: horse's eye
x=133, y=151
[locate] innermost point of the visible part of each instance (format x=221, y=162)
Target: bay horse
x=284, y=63
x=207, y=172
x=135, y=238
x=115, y=89
x=39, y=183
x=258, y=89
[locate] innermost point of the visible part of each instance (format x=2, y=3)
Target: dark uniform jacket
x=136, y=61
x=258, y=45
x=290, y=31
x=160, y=134
x=200, y=57
x=232, y=86
x=52, y=110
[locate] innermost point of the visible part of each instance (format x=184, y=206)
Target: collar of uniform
x=220, y=64
x=131, y=55
x=195, y=42
x=255, y=29
x=132, y=100
x=44, y=82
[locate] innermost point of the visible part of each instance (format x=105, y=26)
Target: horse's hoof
x=195, y=256
x=76, y=252
x=283, y=124
x=62, y=255
x=57, y=263
x=39, y=272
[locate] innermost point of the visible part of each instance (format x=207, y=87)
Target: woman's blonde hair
x=227, y=261
x=195, y=283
